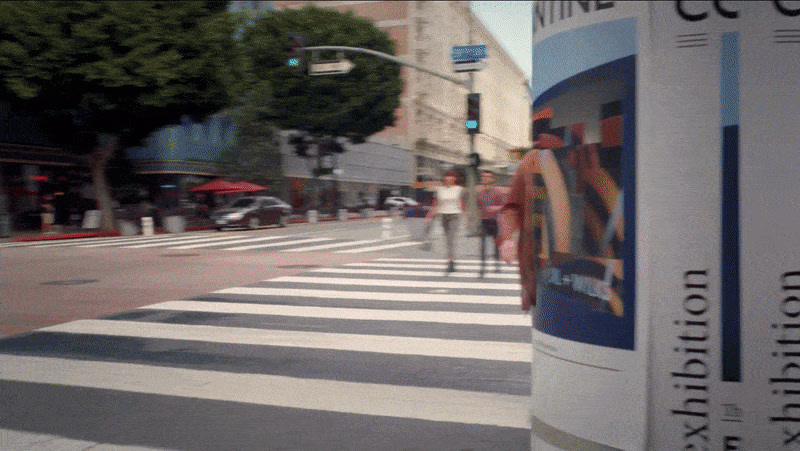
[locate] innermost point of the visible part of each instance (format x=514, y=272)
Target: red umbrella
x=244, y=187
x=217, y=186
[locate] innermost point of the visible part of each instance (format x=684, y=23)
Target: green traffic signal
x=473, y=121
x=296, y=46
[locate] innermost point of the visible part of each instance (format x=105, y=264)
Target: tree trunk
x=98, y=162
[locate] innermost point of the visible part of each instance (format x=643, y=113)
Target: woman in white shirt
x=449, y=203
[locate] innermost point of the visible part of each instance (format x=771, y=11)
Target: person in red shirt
x=490, y=201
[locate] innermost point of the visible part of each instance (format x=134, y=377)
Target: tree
x=256, y=156
x=357, y=104
x=106, y=74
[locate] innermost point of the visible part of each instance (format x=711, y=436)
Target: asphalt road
x=273, y=343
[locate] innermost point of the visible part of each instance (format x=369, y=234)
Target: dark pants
x=489, y=230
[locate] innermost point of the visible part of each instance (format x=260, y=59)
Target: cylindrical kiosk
x=668, y=312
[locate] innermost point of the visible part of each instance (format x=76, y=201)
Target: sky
x=510, y=23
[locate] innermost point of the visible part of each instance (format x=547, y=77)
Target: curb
x=67, y=236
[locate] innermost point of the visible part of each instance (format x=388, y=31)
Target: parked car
x=359, y=206
x=399, y=202
x=252, y=212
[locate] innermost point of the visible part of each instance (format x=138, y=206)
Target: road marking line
x=284, y=243
x=489, y=266
x=389, y=272
x=229, y=240
x=423, y=403
x=483, y=319
x=82, y=241
x=373, y=295
x=174, y=241
x=163, y=242
x=379, y=248
x=382, y=344
x=430, y=260
x=141, y=240
x=75, y=241
x=329, y=246
x=396, y=283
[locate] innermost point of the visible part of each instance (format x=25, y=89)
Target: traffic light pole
x=474, y=225
x=466, y=83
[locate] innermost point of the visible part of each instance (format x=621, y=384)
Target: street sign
x=472, y=66
x=469, y=53
x=330, y=67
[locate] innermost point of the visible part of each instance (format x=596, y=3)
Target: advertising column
x=668, y=309
x=589, y=361
x=720, y=197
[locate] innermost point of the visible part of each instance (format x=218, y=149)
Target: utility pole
x=473, y=219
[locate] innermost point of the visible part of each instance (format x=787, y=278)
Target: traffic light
x=473, y=113
x=330, y=146
x=296, y=58
x=300, y=145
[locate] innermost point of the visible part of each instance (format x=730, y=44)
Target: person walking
x=490, y=201
x=523, y=212
x=449, y=204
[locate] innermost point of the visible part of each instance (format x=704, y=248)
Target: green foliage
x=361, y=102
x=123, y=68
x=256, y=156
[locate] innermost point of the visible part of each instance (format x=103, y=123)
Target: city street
x=316, y=336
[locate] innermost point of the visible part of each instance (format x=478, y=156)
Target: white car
x=399, y=202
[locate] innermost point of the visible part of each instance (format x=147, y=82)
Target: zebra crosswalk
x=228, y=242
x=388, y=353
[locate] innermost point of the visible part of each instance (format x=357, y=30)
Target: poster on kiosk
x=668, y=299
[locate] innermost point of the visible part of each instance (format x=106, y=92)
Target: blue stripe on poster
x=731, y=282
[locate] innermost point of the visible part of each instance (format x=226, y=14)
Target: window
x=243, y=202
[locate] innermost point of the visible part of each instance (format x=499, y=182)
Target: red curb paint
x=68, y=236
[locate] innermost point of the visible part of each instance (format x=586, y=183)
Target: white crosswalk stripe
x=331, y=246
x=397, y=283
x=389, y=338
x=371, y=295
x=283, y=243
x=160, y=239
x=504, y=268
x=227, y=241
x=398, y=272
x=381, y=247
x=490, y=319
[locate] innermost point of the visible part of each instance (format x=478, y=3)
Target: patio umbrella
x=217, y=186
x=244, y=187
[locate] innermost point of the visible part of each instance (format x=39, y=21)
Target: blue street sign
x=469, y=53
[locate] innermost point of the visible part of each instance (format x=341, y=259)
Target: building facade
x=431, y=117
